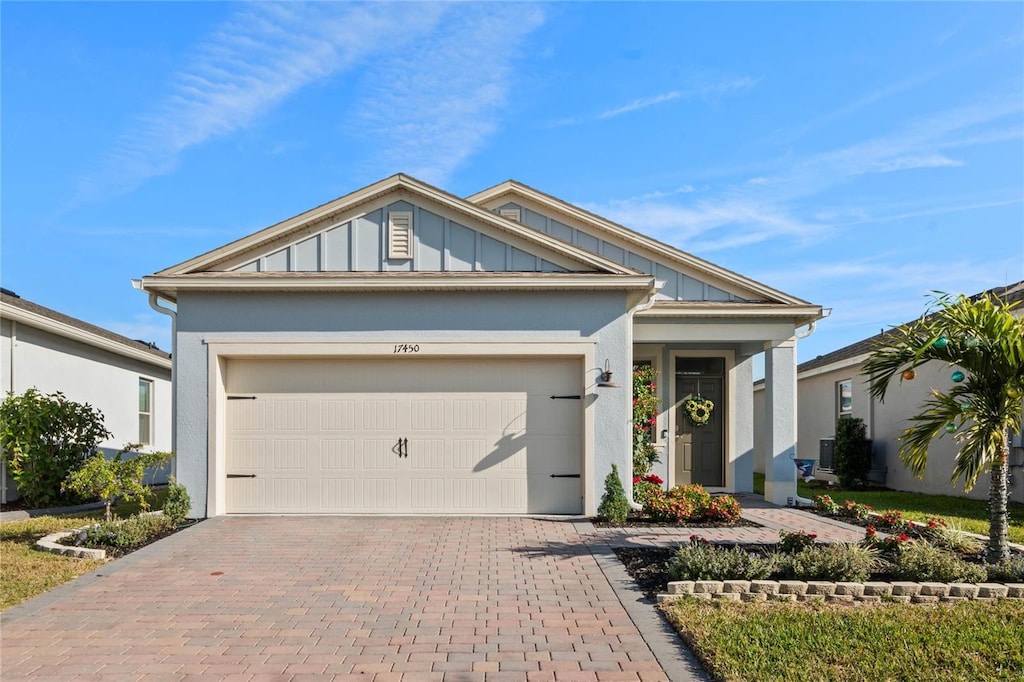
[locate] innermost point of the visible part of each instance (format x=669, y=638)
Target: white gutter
x=38, y=321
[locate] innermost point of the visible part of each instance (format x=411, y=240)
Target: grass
x=961, y=512
x=27, y=572
x=770, y=642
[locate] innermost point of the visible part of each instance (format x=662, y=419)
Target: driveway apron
x=292, y=598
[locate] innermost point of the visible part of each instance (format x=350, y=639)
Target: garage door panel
x=338, y=494
x=337, y=454
x=479, y=436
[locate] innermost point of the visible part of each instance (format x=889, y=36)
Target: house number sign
x=407, y=348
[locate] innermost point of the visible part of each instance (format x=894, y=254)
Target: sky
x=856, y=155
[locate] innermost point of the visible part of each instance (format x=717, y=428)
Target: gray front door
x=699, y=450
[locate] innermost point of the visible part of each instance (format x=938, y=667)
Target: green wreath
x=699, y=410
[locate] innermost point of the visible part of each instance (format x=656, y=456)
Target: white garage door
x=402, y=436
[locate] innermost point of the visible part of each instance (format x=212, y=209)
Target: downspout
x=645, y=304
x=154, y=303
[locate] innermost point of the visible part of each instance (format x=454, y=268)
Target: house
x=832, y=386
x=128, y=381
x=404, y=350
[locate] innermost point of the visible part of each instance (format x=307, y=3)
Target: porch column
x=780, y=421
x=741, y=479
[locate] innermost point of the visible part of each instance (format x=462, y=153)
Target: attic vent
x=400, y=234
x=511, y=214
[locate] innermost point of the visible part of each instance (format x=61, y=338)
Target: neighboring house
x=831, y=386
x=128, y=381
x=403, y=350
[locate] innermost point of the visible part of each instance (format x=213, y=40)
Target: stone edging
x=821, y=590
x=51, y=543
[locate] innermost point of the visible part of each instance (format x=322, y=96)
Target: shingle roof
x=1011, y=294
x=17, y=302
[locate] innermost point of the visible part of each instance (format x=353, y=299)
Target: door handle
x=664, y=434
x=405, y=446
x=401, y=448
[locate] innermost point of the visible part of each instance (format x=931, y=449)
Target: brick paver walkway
x=378, y=598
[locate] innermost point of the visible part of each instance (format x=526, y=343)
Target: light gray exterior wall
x=86, y=374
x=885, y=422
x=678, y=286
x=413, y=317
x=361, y=245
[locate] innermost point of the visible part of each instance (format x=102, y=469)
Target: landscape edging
x=823, y=590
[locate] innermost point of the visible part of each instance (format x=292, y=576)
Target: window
x=145, y=411
x=844, y=398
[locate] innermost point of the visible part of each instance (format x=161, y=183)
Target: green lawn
x=778, y=642
x=27, y=571
x=964, y=513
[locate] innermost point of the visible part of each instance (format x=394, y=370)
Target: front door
x=699, y=449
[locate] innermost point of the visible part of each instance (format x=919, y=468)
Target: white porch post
x=742, y=405
x=780, y=421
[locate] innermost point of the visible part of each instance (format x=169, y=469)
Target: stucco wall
x=413, y=317
x=86, y=374
x=885, y=423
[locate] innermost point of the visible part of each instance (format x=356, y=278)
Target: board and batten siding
x=678, y=286
x=439, y=244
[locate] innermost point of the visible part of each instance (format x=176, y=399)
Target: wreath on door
x=699, y=410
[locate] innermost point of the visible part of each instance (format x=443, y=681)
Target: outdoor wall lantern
x=605, y=380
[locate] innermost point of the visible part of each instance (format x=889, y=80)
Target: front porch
x=714, y=357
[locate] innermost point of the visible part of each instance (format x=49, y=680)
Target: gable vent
x=400, y=234
x=511, y=214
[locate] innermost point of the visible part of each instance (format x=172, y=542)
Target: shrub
x=892, y=519
x=44, y=438
x=791, y=543
x=702, y=561
x=825, y=504
x=645, y=486
x=614, y=505
x=1009, y=571
x=836, y=562
x=178, y=504
x=645, y=419
x=952, y=538
x=678, y=505
x=894, y=544
x=130, y=532
x=855, y=510
x=723, y=508
x=923, y=562
x=851, y=457
x=116, y=478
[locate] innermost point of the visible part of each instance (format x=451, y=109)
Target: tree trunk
x=998, y=542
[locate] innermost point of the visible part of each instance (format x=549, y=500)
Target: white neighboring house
x=128, y=381
x=831, y=386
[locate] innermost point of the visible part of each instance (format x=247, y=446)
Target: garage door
x=403, y=436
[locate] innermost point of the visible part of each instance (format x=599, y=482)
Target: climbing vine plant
x=645, y=419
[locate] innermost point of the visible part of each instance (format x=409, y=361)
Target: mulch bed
x=114, y=552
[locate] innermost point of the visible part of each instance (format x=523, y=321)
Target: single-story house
x=128, y=381
x=404, y=350
x=832, y=386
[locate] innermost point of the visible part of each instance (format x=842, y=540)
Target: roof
x=852, y=354
x=276, y=234
x=514, y=188
x=13, y=307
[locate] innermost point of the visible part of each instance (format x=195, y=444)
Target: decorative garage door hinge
x=566, y=397
x=565, y=475
x=241, y=476
x=241, y=397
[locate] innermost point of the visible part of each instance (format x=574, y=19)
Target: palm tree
x=983, y=341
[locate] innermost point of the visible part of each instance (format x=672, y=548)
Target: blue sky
x=857, y=155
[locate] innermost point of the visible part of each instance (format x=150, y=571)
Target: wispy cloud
x=436, y=102
x=259, y=57
x=706, y=90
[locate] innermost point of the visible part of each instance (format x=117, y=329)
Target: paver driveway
x=290, y=598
